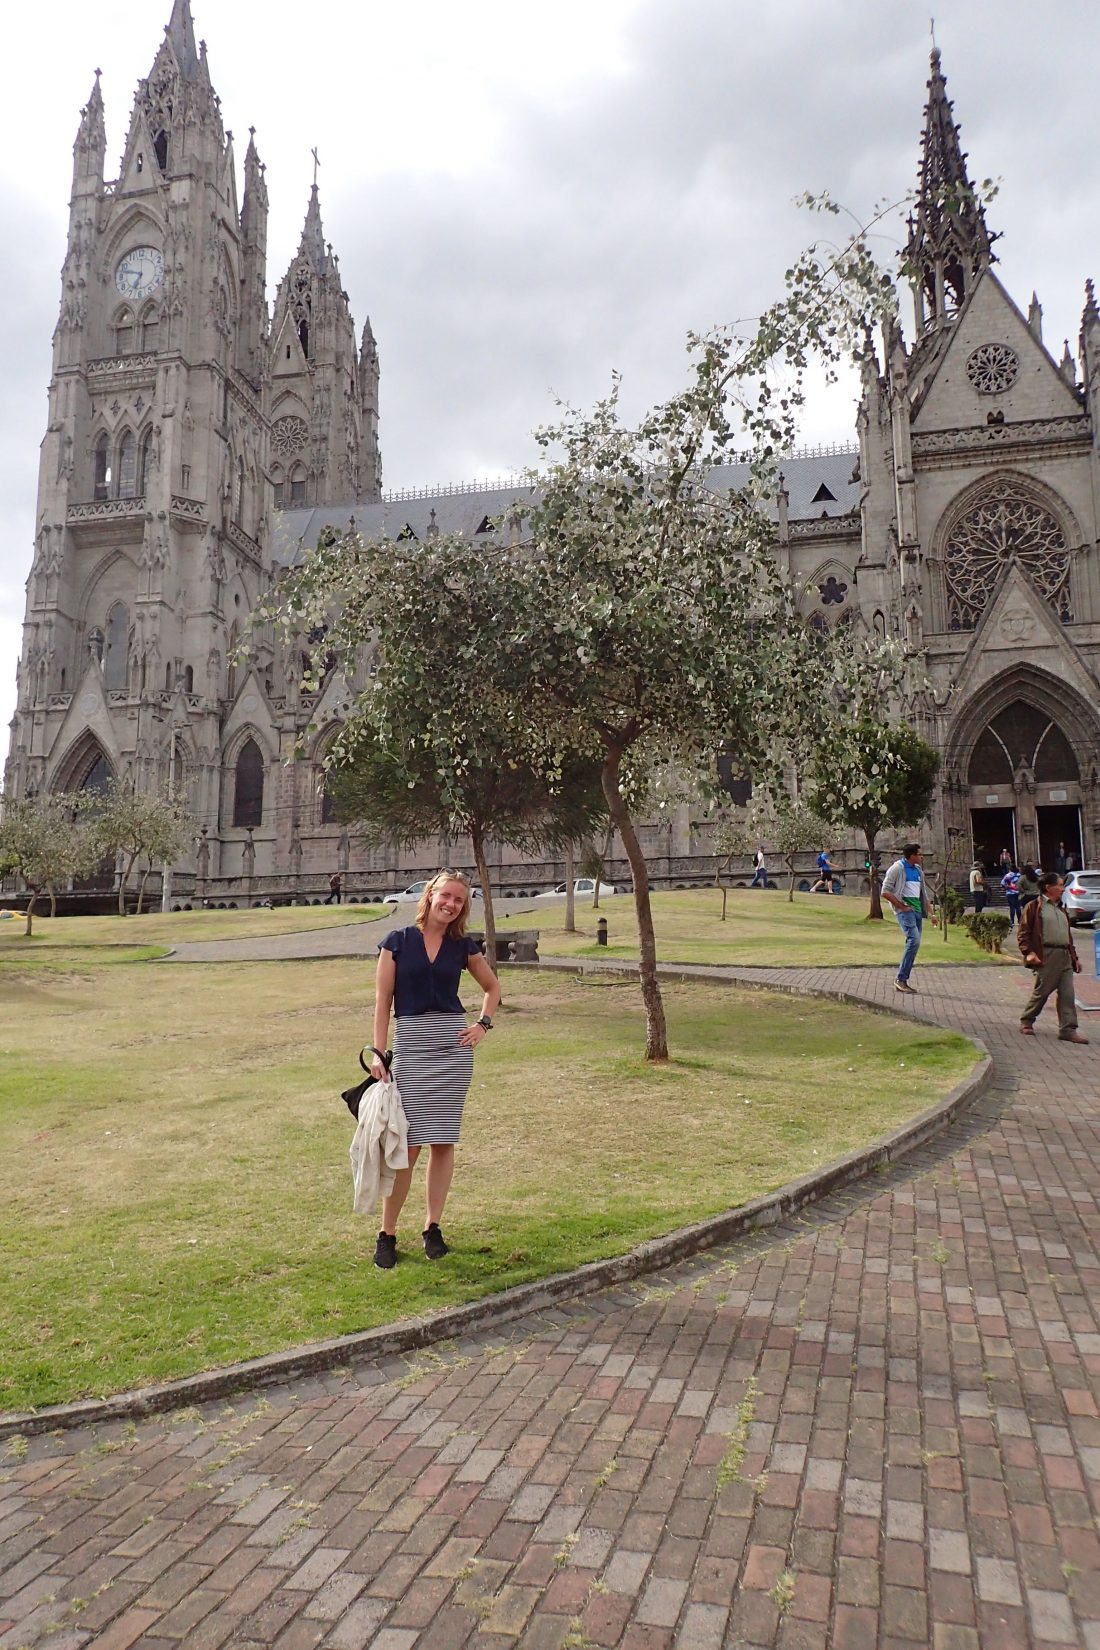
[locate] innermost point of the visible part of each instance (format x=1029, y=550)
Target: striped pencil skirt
x=432, y=1072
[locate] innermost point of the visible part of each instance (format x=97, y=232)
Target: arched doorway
x=1021, y=763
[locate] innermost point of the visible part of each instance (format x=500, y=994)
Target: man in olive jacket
x=1046, y=940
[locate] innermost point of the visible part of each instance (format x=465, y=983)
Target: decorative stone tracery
x=993, y=368
x=1002, y=525
x=289, y=435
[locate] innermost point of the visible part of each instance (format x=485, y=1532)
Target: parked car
x=581, y=887
x=413, y=891
x=1081, y=896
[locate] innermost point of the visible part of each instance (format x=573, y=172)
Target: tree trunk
x=141, y=887
x=123, y=881
x=477, y=841
x=656, y=1046
x=52, y=891
x=790, y=885
x=875, y=913
x=28, y=932
x=570, y=889
x=725, y=891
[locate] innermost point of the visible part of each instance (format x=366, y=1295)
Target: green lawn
x=174, y=1180
x=761, y=927
x=153, y=928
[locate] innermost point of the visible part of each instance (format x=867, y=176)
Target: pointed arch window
x=150, y=329
x=248, y=790
x=124, y=332
x=279, y=486
x=297, y=485
x=238, y=493
x=143, y=463
x=117, y=647
x=127, y=465
x=160, y=149
x=98, y=776
x=102, y=468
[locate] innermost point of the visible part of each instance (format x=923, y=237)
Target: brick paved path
x=875, y=1427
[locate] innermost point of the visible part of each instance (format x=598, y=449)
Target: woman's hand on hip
x=472, y=1036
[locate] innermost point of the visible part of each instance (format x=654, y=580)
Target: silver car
x=1081, y=895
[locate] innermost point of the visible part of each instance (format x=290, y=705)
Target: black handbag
x=351, y=1097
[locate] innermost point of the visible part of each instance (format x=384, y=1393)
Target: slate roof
x=464, y=509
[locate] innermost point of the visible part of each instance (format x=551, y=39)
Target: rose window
x=993, y=368
x=1004, y=524
x=289, y=435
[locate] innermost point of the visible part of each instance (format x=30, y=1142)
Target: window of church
x=102, y=470
x=297, y=485
x=328, y=802
x=143, y=462
x=124, y=332
x=1003, y=525
x=116, y=653
x=150, y=330
x=98, y=776
x=248, y=793
x=188, y=678
x=127, y=466
x=279, y=489
x=993, y=368
x=160, y=149
x=238, y=493
x=289, y=434
x=231, y=678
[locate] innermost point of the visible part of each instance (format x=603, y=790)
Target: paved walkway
x=876, y=1427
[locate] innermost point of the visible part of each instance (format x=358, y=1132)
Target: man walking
x=759, y=869
x=904, y=888
x=335, y=888
x=1046, y=941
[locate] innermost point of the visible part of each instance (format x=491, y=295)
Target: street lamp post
x=166, y=872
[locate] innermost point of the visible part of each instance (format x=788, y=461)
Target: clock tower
x=154, y=493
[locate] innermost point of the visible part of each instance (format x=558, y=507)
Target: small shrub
x=954, y=905
x=988, y=929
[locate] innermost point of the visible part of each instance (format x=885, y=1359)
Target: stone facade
x=196, y=442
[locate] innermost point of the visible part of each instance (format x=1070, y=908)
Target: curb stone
x=414, y=1333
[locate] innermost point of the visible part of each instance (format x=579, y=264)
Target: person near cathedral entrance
x=1028, y=885
x=335, y=889
x=418, y=976
x=1010, y=885
x=1004, y=861
x=905, y=889
x=1062, y=860
x=977, y=886
x=1046, y=940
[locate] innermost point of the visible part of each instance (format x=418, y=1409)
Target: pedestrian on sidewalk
x=1046, y=940
x=1028, y=886
x=335, y=888
x=977, y=886
x=759, y=869
x=1010, y=883
x=418, y=976
x=905, y=889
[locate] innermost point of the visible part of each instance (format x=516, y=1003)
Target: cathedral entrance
x=1025, y=788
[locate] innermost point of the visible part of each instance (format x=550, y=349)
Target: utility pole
x=166, y=871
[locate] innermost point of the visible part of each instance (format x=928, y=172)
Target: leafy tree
x=642, y=620
x=46, y=840
x=402, y=799
x=129, y=823
x=872, y=776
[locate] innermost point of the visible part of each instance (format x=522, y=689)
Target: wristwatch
x=485, y=1022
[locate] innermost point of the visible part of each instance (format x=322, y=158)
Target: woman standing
x=977, y=886
x=419, y=970
x=1028, y=886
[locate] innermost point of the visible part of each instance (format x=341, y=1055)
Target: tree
x=46, y=840
x=790, y=827
x=872, y=776
x=641, y=620
x=402, y=799
x=129, y=823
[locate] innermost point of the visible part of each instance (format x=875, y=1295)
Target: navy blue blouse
x=423, y=987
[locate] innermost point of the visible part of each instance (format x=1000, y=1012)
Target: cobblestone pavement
x=875, y=1427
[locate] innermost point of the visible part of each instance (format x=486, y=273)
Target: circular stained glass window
x=993, y=368
x=288, y=435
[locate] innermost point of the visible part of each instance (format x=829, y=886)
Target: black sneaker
x=434, y=1246
x=385, y=1251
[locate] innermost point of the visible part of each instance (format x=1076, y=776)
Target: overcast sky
x=525, y=199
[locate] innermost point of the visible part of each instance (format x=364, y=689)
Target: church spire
x=181, y=38
x=949, y=245
x=91, y=138
x=312, y=244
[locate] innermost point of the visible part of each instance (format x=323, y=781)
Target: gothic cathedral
x=196, y=442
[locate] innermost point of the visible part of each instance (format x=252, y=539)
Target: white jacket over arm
x=379, y=1147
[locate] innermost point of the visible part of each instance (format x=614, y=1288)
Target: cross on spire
x=316, y=164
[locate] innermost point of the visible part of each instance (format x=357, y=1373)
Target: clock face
x=140, y=272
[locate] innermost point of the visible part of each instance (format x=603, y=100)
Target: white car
x=1081, y=895
x=413, y=891
x=581, y=887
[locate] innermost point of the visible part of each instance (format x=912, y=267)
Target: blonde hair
x=458, y=927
